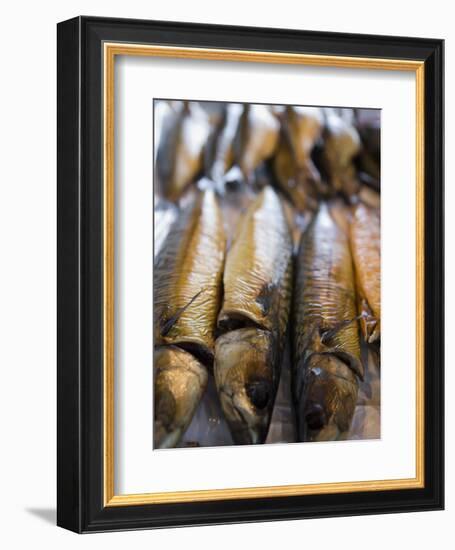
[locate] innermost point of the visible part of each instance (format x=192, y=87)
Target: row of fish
x=227, y=310
x=310, y=152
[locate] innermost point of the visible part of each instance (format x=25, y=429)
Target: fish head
x=305, y=127
x=179, y=380
x=244, y=375
x=329, y=395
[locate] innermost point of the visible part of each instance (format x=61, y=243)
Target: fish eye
x=258, y=393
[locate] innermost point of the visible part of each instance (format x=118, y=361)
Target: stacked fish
x=267, y=245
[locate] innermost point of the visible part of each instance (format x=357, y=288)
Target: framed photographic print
x=250, y=274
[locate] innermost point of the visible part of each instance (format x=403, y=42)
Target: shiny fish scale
x=257, y=276
x=257, y=137
x=325, y=284
x=220, y=156
x=257, y=289
x=180, y=152
x=188, y=274
x=305, y=127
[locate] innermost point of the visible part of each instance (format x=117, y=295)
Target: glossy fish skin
x=369, y=197
x=325, y=340
x=288, y=177
x=180, y=151
x=188, y=277
x=341, y=145
x=165, y=216
x=366, y=252
x=180, y=380
x=258, y=271
x=256, y=139
x=304, y=127
x=294, y=169
x=219, y=155
x=328, y=400
x=253, y=319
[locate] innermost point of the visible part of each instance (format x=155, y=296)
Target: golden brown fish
x=340, y=213
x=366, y=252
x=253, y=318
x=188, y=276
x=370, y=197
x=289, y=179
x=304, y=127
x=180, y=381
x=341, y=146
x=295, y=172
x=247, y=376
x=326, y=341
x=165, y=216
x=219, y=153
x=256, y=139
x=180, y=150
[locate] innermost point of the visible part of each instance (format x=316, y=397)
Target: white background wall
x=28, y=265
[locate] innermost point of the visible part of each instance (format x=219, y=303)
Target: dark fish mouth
x=315, y=417
x=259, y=393
x=242, y=431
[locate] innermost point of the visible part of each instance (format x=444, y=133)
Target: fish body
x=304, y=127
x=187, y=293
x=295, y=171
x=215, y=110
x=288, y=177
x=219, y=155
x=253, y=319
x=180, y=151
x=188, y=277
x=326, y=344
x=180, y=381
x=258, y=266
x=256, y=139
x=370, y=197
x=165, y=215
x=341, y=146
x=366, y=252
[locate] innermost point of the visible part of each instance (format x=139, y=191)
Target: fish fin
x=318, y=342
x=167, y=323
x=376, y=334
x=327, y=335
x=354, y=363
x=266, y=297
x=313, y=340
x=369, y=324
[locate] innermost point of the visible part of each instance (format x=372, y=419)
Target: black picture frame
x=80, y=476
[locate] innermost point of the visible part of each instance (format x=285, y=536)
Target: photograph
x=267, y=273
x=250, y=303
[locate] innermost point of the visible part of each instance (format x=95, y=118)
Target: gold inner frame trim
x=110, y=50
